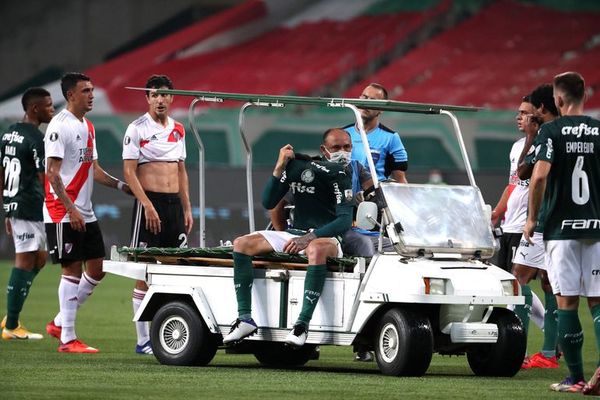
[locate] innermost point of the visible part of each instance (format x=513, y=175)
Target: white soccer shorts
x=28, y=235
x=278, y=239
x=531, y=255
x=574, y=267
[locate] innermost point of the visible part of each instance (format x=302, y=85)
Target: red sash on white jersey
x=55, y=207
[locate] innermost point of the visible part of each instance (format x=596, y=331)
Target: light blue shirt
x=386, y=149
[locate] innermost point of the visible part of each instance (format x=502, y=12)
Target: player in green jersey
x=323, y=198
x=22, y=169
x=565, y=190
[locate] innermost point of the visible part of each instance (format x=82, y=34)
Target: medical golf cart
x=436, y=292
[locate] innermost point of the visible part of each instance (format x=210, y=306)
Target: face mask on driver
x=340, y=157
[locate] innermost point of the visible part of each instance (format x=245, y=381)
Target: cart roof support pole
x=201, y=181
x=461, y=143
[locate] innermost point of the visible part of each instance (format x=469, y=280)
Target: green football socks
x=16, y=292
x=243, y=277
x=570, y=339
x=313, y=286
x=524, y=311
x=550, y=338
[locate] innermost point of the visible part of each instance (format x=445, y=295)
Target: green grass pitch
x=35, y=370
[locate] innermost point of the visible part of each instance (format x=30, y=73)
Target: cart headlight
x=510, y=287
x=435, y=285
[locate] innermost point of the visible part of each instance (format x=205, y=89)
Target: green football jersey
x=571, y=205
x=322, y=192
x=22, y=153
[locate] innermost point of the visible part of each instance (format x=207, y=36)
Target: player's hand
x=297, y=244
x=152, y=220
x=286, y=153
x=528, y=231
x=531, y=124
x=76, y=220
x=7, y=226
x=188, y=220
x=359, y=196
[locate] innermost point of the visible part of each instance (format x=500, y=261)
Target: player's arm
x=53, y=165
x=184, y=195
x=537, y=187
x=7, y=225
x=106, y=179
x=151, y=215
x=397, y=160
x=500, y=208
x=531, y=127
x=277, y=185
x=337, y=227
x=342, y=186
x=278, y=217
x=544, y=151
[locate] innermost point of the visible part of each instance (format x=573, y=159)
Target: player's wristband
x=120, y=185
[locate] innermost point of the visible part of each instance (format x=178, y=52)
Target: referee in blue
x=387, y=150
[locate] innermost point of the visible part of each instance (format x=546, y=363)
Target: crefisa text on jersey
x=11, y=137
x=579, y=130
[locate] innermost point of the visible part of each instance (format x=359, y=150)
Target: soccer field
x=35, y=369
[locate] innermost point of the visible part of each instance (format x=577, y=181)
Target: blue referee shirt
x=387, y=150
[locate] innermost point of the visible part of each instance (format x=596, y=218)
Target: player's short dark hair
x=543, y=95
x=572, y=85
x=32, y=95
x=158, y=81
x=379, y=87
x=526, y=99
x=330, y=131
x=70, y=80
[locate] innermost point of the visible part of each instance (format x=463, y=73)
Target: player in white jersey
x=74, y=237
x=513, y=203
x=153, y=163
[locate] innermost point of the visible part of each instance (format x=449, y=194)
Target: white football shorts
x=278, y=239
x=28, y=235
x=573, y=267
x=531, y=255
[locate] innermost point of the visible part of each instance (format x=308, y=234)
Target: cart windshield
x=438, y=219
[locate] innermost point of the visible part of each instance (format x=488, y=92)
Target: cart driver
x=323, y=198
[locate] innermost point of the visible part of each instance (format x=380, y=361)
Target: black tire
x=403, y=343
x=180, y=337
x=274, y=354
x=503, y=358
